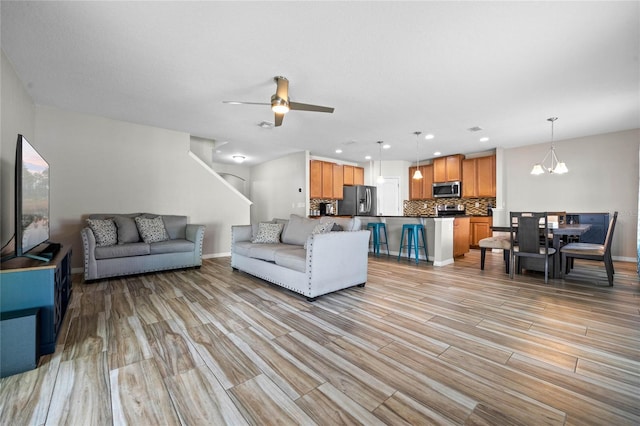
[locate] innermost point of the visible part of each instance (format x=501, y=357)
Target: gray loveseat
x=303, y=259
x=147, y=244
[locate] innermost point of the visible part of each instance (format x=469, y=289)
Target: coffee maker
x=326, y=209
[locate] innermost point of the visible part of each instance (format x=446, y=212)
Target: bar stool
x=414, y=230
x=376, y=232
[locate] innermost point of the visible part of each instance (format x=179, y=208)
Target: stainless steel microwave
x=447, y=190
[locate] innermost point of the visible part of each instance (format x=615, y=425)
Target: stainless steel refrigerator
x=358, y=200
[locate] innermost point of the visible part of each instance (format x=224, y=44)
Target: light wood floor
x=417, y=345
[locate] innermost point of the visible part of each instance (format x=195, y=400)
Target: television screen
x=32, y=197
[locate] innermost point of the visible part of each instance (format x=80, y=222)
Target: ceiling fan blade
x=278, y=120
x=245, y=103
x=282, y=91
x=308, y=107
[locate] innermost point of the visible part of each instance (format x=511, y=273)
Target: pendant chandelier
x=417, y=174
x=380, y=177
x=556, y=166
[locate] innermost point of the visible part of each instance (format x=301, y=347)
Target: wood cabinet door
x=469, y=183
x=427, y=181
x=480, y=227
x=327, y=179
x=358, y=176
x=460, y=236
x=347, y=172
x=315, y=179
x=485, y=176
x=440, y=170
x=415, y=185
x=453, y=167
x=338, y=181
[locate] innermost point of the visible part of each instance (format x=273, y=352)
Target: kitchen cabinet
x=479, y=228
x=326, y=180
x=447, y=169
x=358, y=176
x=315, y=179
x=460, y=236
x=421, y=189
x=353, y=175
x=338, y=181
x=479, y=177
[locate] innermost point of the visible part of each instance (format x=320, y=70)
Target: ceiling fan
x=280, y=103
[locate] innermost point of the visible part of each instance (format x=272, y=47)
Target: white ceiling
x=388, y=68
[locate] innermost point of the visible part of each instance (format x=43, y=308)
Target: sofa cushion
x=266, y=251
x=292, y=258
x=171, y=246
x=104, y=231
x=127, y=229
x=151, y=230
x=242, y=248
x=176, y=226
x=268, y=233
x=321, y=228
x=122, y=250
x=346, y=223
x=298, y=229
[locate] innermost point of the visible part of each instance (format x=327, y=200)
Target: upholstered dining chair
x=600, y=252
x=529, y=231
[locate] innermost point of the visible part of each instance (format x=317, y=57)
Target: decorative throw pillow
x=151, y=230
x=268, y=233
x=104, y=230
x=321, y=228
x=127, y=229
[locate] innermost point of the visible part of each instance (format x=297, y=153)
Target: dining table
x=569, y=230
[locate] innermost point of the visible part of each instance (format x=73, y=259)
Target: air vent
x=266, y=124
x=475, y=129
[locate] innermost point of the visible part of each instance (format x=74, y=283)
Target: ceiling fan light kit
x=280, y=103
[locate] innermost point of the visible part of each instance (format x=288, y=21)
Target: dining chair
x=529, y=231
x=588, y=251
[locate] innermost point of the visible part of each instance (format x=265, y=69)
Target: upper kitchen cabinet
x=325, y=180
x=479, y=177
x=421, y=189
x=315, y=179
x=448, y=169
x=353, y=175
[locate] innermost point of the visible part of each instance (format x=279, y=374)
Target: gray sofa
x=302, y=260
x=134, y=250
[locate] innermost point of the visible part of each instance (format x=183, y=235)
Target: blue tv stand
x=28, y=283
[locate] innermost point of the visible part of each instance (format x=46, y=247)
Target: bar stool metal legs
x=414, y=232
x=377, y=228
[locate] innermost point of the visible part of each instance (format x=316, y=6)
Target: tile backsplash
x=428, y=207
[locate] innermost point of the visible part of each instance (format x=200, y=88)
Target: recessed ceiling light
x=437, y=153
x=386, y=146
x=485, y=139
x=429, y=136
x=338, y=151
x=239, y=158
x=368, y=157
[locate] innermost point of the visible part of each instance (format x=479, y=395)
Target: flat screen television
x=31, y=199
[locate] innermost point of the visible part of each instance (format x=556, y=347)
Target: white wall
x=603, y=176
x=392, y=168
x=100, y=165
x=280, y=187
x=17, y=113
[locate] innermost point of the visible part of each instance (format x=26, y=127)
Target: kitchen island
x=440, y=234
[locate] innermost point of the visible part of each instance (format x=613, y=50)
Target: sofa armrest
x=195, y=233
x=337, y=258
x=240, y=233
x=89, y=248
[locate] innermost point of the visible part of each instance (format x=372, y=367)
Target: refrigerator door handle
x=369, y=200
